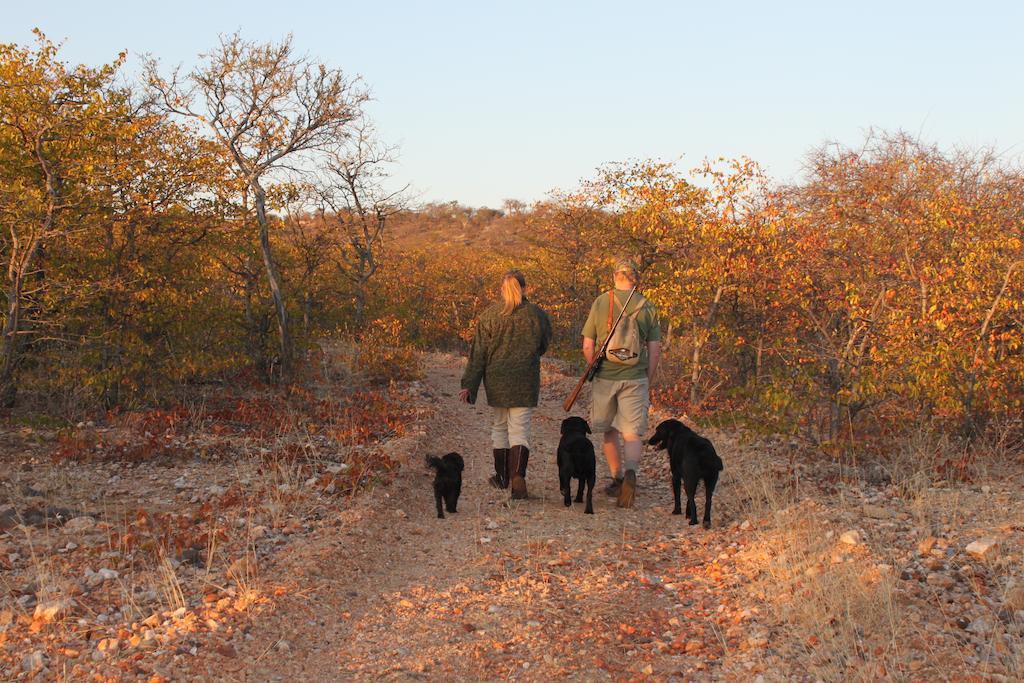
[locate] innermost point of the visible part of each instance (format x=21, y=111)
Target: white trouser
x=511, y=427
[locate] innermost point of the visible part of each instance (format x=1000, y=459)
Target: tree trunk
x=698, y=345
x=700, y=338
x=757, y=361
x=361, y=279
x=971, y=418
x=307, y=313
x=274, y=280
x=970, y=421
x=20, y=263
x=835, y=384
x=9, y=351
x=360, y=305
x=11, y=343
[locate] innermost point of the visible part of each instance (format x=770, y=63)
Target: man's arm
x=590, y=333
x=653, y=356
x=588, y=349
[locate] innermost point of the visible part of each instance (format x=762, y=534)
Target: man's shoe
x=613, y=488
x=499, y=479
x=628, y=491
x=518, y=457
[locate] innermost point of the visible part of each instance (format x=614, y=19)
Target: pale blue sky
x=490, y=100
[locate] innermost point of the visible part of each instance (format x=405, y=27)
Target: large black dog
x=576, y=461
x=692, y=458
x=447, y=481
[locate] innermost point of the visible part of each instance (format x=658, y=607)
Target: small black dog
x=692, y=458
x=447, y=481
x=576, y=461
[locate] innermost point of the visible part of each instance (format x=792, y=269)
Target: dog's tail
x=435, y=462
x=709, y=456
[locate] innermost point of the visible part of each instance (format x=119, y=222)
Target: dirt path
x=503, y=589
x=814, y=569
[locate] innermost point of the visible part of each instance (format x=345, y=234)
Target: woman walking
x=510, y=338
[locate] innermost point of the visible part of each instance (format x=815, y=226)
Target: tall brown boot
x=499, y=479
x=518, y=457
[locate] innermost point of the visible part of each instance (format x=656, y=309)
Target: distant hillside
x=452, y=223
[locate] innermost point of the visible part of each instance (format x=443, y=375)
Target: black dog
x=692, y=458
x=576, y=461
x=447, y=480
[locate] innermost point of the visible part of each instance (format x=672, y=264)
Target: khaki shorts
x=619, y=404
x=510, y=427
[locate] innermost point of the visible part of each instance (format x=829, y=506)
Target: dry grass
x=187, y=557
x=843, y=610
x=842, y=614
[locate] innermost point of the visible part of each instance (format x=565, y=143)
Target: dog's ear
x=562, y=428
x=587, y=425
x=664, y=433
x=455, y=458
x=657, y=437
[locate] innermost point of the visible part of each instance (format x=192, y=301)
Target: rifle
x=595, y=363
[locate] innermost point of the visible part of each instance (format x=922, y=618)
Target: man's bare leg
x=613, y=457
x=633, y=449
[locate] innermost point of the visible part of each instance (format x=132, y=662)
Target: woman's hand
x=464, y=395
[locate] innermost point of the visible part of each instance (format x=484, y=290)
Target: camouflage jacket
x=505, y=355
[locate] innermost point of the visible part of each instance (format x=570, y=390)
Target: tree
x=564, y=237
x=309, y=245
x=355, y=205
x=271, y=110
x=694, y=243
x=905, y=273
x=55, y=123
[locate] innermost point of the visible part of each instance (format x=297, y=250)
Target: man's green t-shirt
x=596, y=328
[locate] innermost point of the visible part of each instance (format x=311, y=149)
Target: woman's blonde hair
x=512, y=285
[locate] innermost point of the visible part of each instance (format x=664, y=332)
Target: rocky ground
x=234, y=545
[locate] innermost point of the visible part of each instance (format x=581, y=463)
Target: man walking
x=620, y=394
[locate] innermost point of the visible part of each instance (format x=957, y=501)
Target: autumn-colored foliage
x=882, y=290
